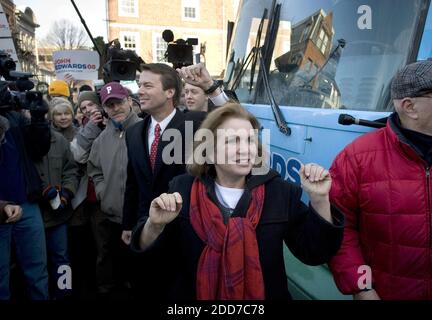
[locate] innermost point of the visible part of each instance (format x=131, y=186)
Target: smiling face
x=153, y=98
x=236, y=149
x=62, y=117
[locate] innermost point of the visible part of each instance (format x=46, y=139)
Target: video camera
x=179, y=52
x=121, y=64
x=15, y=91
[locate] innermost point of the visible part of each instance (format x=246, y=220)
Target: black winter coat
x=285, y=218
x=142, y=184
x=33, y=139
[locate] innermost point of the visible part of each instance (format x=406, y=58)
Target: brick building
x=139, y=24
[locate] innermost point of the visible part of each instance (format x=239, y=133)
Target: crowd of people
x=86, y=188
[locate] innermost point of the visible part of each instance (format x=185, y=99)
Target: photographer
x=92, y=124
x=24, y=143
x=86, y=206
x=9, y=213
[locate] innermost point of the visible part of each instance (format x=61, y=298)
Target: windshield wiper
x=264, y=61
x=251, y=57
x=257, y=45
x=265, y=54
x=277, y=113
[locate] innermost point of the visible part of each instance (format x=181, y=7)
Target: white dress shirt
x=163, y=124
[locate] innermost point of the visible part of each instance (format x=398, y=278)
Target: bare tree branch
x=64, y=35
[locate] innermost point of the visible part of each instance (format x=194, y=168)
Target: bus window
x=328, y=53
x=425, y=51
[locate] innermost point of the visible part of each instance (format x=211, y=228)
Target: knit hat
x=88, y=95
x=59, y=103
x=85, y=87
x=59, y=87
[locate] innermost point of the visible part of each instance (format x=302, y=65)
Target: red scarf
x=229, y=267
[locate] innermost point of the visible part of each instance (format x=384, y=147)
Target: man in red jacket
x=382, y=182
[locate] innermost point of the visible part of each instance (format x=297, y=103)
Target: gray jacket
x=57, y=168
x=80, y=147
x=83, y=140
x=107, y=165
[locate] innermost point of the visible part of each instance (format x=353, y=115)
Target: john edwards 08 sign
x=76, y=64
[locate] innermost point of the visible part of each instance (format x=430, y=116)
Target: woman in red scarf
x=223, y=225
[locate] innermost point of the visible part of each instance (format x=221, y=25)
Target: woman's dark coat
x=285, y=218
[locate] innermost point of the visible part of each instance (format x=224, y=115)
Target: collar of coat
x=131, y=119
x=394, y=129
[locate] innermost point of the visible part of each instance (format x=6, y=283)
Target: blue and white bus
x=299, y=64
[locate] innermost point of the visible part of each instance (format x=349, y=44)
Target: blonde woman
x=61, y=115
x=59, y=174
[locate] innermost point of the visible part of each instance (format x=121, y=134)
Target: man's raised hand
x=196, y=75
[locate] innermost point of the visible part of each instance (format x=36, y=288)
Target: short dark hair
x=169, y=78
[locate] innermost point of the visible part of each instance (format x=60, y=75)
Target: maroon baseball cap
x=113, y=90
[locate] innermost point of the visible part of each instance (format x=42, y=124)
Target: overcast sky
x=48, y=11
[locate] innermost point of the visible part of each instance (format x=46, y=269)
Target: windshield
x=327, y=53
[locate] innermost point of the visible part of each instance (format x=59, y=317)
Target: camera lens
x=8, y=64
x=122, y=69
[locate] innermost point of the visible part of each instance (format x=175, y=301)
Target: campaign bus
x=317, y=74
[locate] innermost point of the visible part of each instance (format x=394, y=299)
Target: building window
x=159, y=48
x=128, y=8
x=190, y=10
x=130, y=41
x=322, y=42
x=305, y=33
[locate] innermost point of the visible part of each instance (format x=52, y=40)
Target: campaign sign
x=76, y=64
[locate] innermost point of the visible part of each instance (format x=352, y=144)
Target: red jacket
x=384, y=188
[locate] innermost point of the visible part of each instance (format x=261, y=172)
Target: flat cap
x=413, y=80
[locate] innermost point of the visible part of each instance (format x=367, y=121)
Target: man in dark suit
x=149, y=168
